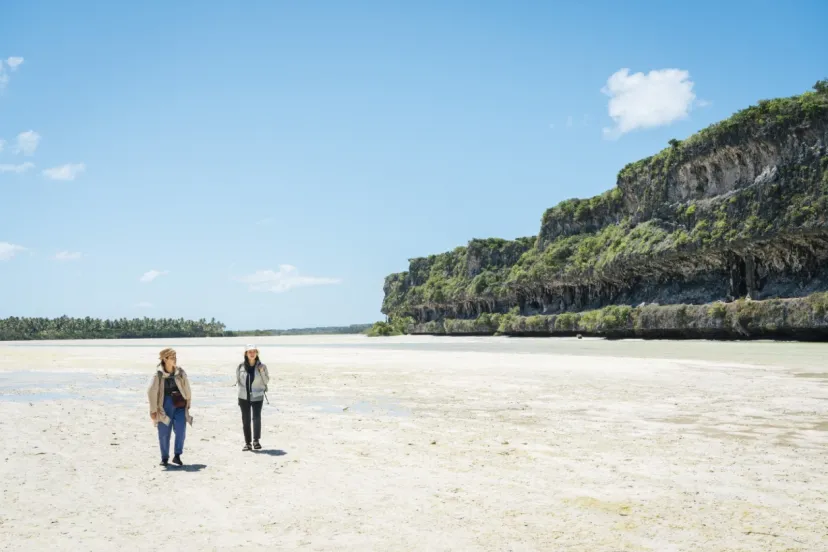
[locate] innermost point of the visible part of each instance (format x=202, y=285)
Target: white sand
x=437, y=451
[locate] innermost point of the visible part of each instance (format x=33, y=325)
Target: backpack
x=240, y=371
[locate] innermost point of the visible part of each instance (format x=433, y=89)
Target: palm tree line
x=21, y=329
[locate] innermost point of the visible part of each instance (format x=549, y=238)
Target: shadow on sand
x=186, y=467
x=272, y=452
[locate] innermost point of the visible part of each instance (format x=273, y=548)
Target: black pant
x=246, y=406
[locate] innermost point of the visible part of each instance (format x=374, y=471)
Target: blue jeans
x=178, y=423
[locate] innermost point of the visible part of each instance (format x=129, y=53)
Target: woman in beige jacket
x=169, y=405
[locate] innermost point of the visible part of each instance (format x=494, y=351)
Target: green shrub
x=717, y=310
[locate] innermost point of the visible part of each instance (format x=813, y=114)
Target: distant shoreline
x=66, y=328
x=321, y=330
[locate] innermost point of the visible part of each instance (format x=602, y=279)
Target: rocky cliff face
x=736, y=211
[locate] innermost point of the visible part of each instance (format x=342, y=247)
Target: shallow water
x=802, y=360
x=36, y=386
x=777, y=353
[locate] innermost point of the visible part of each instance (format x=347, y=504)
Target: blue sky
x=268, y=163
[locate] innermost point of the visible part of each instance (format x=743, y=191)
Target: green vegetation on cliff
x=736, y=320
x=744, y=200
x=470, y=272
x=398, y=326
x=616, y=251
x=770, y=120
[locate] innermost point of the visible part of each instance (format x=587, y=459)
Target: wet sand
x=423, y=444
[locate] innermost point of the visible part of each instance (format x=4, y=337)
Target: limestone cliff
x=735, y=211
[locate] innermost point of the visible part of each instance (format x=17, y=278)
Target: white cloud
x=144, y=305
x=286, y=278
x=27, y=142
x=2, y=144
x=12, y=63
x=9, y=250
x=151, y=275
x=65, y=172
x=569, y=122
x=68, y=256
x=640, y=101
x=19, y=169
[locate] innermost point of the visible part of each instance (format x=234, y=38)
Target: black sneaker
x=164, y=462
x=177, y=460
x=246, y=447
x=256, y=445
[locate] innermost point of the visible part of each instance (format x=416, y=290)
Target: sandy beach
x=422, y=444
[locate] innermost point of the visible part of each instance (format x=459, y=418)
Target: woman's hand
x=152, y=416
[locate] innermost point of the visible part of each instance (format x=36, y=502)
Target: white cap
x=250, y=347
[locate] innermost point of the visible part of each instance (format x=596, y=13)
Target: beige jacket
x=156, y=394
